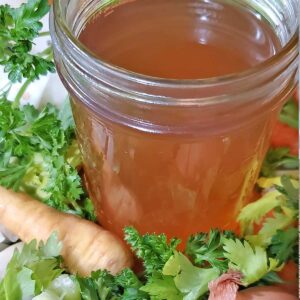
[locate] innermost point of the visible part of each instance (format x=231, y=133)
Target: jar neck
x=106, y=88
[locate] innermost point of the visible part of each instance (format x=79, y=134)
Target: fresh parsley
x=153, y=249
x=206, y=248
x=284, y=245
x=251, y=261
x=39, y=156
x=38, y=271
x=278, y=158
x=18, y=29
x=290, y=114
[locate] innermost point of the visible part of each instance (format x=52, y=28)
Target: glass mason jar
x=172, y=156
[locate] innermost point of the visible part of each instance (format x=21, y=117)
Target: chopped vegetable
x=86, y=246
x=226, y=286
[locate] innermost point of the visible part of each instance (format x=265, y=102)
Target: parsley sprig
x=39, y=155
x=206, y=248
x=18, y=29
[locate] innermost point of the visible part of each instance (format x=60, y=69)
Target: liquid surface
x=176, y=183
x=181, y=39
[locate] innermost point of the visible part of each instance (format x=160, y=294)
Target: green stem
x=21, y=92
x=44, y=33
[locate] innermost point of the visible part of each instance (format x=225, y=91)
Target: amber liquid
x=174, y=183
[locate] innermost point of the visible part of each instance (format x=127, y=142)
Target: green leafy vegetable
x=153, y=249
x=282, y=203
x=63, y=287
x=254, y=212
x=290, y=114
x=284, y=245
x=162, y=288
x=206, y=248
x=252, y=262
x=39, y=156
x=37, y=271
x=278, y=158
x=290, y=190
x=31, y=270
x=190, y=280
x=18, y=28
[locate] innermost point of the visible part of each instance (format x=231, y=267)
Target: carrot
x=285, y=136
x=86, y=246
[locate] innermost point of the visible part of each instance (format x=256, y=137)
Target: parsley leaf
x=189, y=279
x=39, y=156
x=254, y=212
x=162, y=288
x=284, y=245
x=279, y=221
x=18, y=28
x=290, y=190
x=252, y=262
x=290, y=114
x=206, y=248
x=278, y=158
x=153, y=249
x=281, y=204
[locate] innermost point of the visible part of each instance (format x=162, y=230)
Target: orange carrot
x=86, y=246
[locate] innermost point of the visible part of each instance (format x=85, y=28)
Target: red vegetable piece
x=285, y=136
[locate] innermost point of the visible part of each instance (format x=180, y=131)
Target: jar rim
x=153, y=80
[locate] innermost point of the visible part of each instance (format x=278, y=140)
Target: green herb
x=281, y=202
x=38, y=155
x=161, y=288
x=190, y=280
x=251, y=261
x=284, y=245
x=278, y=158
x=38, y=271
x=153, y=249
x=291, y=192
x=253, y=213
x=206, y=248
x=31, y=270
x=290, y=114
x=18, y=28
